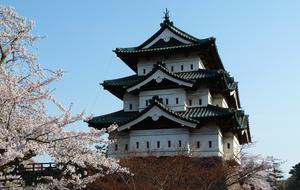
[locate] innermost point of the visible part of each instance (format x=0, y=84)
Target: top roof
x=170, y=40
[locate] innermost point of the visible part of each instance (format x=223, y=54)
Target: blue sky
x=258, y=42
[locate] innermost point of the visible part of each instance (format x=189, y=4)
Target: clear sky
x=258, y=42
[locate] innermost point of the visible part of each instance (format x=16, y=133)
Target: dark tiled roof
x=124, y=82
x=209, y=111
x=118, y=117
x=196, y=75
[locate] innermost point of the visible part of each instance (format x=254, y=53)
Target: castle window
x=172, y=68
x=228, y=145
x=158, y=144
x=192, y=66
x=167, y=101
x=169, y=144
x=148, y=144
x=177, y=100
x=198, y=144
x=210, y=144
x=130, y=106
x=182, y=67
x=200, y=101
x=179, y=143
x=126, y=147
x=116, y=147
x=144, y=71
x=137, y=145
x=190, y=102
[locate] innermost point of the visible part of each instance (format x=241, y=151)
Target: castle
x=180, y=100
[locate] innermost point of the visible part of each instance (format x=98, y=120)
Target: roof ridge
x=182, y=33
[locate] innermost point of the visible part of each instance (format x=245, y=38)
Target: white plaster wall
x=130, y=99
x=204, y=135
x=176, y=62
x=188, y=138
x=218, y=100
x=234, y=94
x=171, y=94
x=234, y=151
x=145, y=67
x=161, y=135
x=201, y=93
x=210, y=99
x=121, y=140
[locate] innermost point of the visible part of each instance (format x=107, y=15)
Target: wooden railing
x=31, y=172
x=37, y=167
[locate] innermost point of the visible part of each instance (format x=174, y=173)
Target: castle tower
x=180, y=100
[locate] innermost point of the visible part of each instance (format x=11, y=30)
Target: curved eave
x=117, y=91
x=106, y=120
x=243, y=129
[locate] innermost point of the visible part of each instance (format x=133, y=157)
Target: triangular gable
x=166, y=36
x=155, y=112
x=159, y=76
x=167, y=33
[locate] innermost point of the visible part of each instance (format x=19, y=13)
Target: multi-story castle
x=180, y=101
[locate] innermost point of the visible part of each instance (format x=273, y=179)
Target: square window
x=130, y=106
x=167, y=101
x=158, y=144
x=200, y=101
x=177, y=100
x=182, y=67
x=228, y=145
x=169, y=144
x=192, y=66
x=210, y=144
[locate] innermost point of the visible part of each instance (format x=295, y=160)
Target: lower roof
x=236, y=119
x=197, y=114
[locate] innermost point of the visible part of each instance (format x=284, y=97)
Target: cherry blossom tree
x=26, y=129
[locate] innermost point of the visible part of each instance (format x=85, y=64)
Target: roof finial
x=167, y=16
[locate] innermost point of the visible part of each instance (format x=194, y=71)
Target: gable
x=159, y=76
x=168, y=37
x=155, y=113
